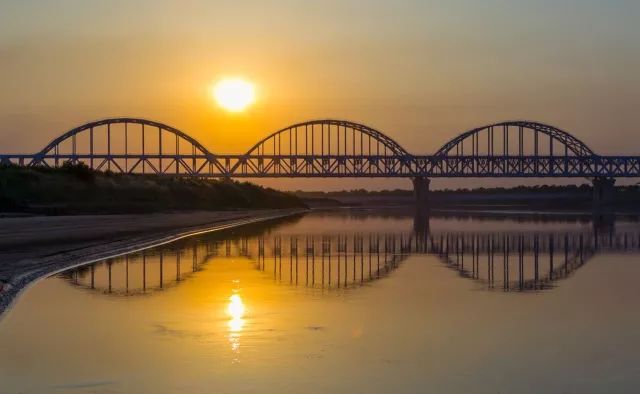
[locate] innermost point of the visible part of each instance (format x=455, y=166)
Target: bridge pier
x=603, y=194
x=421, y=192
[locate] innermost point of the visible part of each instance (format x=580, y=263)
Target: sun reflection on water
x=236, y=310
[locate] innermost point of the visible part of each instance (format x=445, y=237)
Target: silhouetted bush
x=79, y=170
x=75, y=188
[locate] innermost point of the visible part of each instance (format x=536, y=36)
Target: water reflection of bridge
x=509, y=261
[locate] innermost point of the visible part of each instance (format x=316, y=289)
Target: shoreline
x=20, y=274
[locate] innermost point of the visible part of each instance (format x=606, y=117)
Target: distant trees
x=480, y=190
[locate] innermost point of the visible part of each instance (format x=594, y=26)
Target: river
x=344, y=302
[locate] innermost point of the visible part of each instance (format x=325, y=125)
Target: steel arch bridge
x=330, y=148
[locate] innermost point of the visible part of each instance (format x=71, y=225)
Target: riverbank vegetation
x=76, y=189
x=534, y=189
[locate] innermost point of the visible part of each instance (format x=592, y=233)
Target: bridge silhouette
x=524, y=261
x=337, y=148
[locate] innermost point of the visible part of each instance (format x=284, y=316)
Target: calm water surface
x=342, y=302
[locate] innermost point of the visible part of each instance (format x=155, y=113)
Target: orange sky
x=420, y=71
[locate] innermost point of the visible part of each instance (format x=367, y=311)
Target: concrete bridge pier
x=603, y=194
x=421, y=192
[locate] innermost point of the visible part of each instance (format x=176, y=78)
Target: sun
x=234, y=94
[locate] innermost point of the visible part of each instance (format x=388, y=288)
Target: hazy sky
x=421, y=71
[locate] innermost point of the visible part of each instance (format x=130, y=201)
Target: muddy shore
x=35, y=247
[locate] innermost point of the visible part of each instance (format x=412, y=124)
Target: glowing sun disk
x=234, y=94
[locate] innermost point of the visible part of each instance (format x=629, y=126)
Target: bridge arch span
x=128, y=145
x=112, y=121
x=328, y=137
x=517, y=137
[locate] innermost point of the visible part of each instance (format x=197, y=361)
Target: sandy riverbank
x=33, y=247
